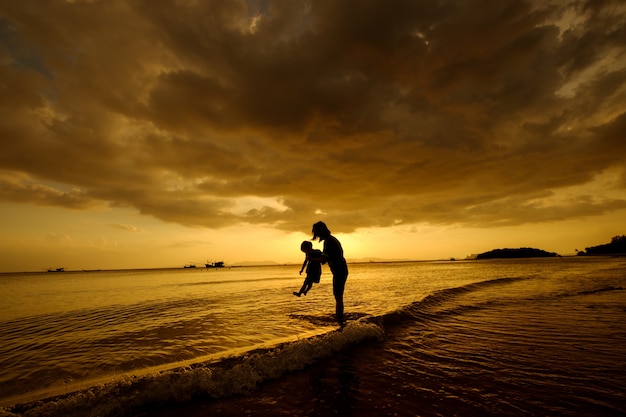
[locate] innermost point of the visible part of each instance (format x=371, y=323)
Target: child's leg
x=308, y=283
x=303, y=289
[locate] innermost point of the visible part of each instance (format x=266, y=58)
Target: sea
x=502, y=337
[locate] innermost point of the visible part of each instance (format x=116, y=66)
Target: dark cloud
x=371, y=112
x=19, y=188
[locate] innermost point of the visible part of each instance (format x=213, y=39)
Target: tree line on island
x=516, y=253
x=617, y=246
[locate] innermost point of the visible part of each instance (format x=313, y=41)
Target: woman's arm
x=317, y=256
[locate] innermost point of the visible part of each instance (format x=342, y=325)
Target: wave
x=439, y=303
x=598, y=290
x=230, y=281
x=231, y=376
x=240, y=374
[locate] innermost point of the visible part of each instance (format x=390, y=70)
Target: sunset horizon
x=152, y=135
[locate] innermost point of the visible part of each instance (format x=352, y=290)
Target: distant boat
x=57, y=270
x=218, y=264
x=190, y=266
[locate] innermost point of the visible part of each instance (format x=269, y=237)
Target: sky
x=143, y=134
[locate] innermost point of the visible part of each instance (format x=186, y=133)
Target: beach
x=529, y=337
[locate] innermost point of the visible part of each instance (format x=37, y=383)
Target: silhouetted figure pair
x=333, y=254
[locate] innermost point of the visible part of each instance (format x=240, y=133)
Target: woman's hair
x=320, y=231
x=306, y=245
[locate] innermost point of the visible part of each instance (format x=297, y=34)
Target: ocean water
x=531, y=337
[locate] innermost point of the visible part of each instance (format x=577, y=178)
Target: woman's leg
x=339, y=285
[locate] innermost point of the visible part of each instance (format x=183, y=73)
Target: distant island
x=516, y=253
x=617, y=246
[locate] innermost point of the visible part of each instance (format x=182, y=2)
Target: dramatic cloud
x=20, y=188
x=216, y=113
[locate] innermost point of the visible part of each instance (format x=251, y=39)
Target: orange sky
x=142, y=134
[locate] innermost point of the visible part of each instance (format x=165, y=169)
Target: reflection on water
x=459, y=334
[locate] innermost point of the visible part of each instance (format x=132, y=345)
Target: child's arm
x=306, y=260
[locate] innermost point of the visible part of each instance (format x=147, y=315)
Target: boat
x=218, y=264
x=189, y=265
x=57, y=270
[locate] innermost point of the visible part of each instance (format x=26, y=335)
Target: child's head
x=306, y=246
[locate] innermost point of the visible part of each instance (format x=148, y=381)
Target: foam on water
x=236, y=375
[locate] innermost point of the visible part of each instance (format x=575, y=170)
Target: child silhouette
x=313, y=263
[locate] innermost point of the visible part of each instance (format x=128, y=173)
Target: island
x=516, y=253
x=617, y=246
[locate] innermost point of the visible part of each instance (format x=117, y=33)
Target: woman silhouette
x=333, y=253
